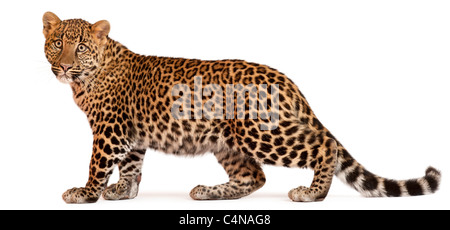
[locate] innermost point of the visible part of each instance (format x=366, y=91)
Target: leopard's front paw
x=79, y=196
x=200, y=192
x=122, y=190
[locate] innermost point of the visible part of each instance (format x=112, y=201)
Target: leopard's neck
x=115, y=56
x=114, y=53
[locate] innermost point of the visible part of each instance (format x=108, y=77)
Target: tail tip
x=431, y=171
x=433, y=177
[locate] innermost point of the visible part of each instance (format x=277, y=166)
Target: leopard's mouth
x=65, y=77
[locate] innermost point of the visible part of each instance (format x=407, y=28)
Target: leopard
x=135, y=102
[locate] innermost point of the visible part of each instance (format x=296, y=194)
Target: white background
x=376, y=73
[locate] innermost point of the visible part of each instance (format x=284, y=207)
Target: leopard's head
x=74, y=47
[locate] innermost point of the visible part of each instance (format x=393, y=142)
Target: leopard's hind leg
x=246, y=176
x=297, y=143
x=322, y=158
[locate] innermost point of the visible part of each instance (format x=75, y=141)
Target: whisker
x=42, y=69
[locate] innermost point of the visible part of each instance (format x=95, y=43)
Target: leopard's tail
x=371, y=185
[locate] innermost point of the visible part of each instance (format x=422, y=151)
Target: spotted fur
x=127, y=99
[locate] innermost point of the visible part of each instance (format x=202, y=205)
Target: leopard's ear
x=100, y=30
x=50, y=21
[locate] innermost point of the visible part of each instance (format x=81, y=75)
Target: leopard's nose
x=66, y=67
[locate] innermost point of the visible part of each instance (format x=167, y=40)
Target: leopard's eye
x=81, y=48
x=58, y=43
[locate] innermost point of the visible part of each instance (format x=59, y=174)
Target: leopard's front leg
x=130, y=169
x=107, y=151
